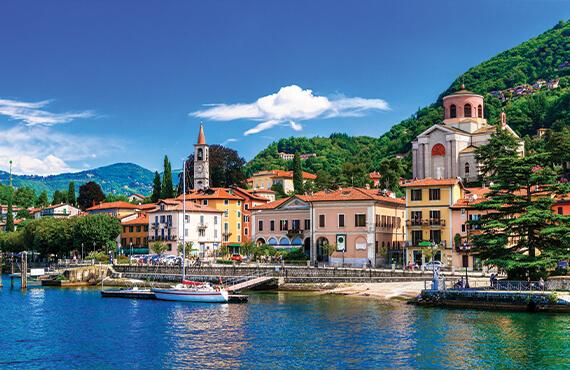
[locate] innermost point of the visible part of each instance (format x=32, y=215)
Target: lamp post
x=82, y=252
x=131, y=249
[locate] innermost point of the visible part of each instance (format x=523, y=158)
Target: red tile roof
x=143, y=220
x=212, y=193
x=354, y=194
x=248, y=193
x=430, y=182
x=113, y=205
x=175, y=205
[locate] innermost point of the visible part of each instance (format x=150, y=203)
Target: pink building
x=348, y=226
x=362, y=225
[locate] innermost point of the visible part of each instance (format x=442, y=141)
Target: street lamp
x=81, y=251
x=131, y=249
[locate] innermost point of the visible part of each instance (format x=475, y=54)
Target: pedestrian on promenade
x=541, y=284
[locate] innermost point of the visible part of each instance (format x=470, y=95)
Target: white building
x=447, y=150
x=202, y=226
x=59, y=211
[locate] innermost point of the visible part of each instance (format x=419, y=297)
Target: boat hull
x=189, y=296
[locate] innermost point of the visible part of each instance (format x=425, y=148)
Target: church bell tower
x=201, y=162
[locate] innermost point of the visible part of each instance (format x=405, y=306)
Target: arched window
x=438, y=149
x=466, y=169
x=467, y=110
x=452, y=111
x=480, y=111
x=200, y=154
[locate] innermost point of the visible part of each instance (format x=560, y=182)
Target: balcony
x=463, y=248
x=436, y=222
x=202, y=226
x=415, y=222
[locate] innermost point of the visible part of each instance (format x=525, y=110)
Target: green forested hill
x=546, y=56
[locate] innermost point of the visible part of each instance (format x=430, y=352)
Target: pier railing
x=504, y=285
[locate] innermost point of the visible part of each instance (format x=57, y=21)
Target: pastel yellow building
x=428, y=221
x=267, y=179
x=227, y=201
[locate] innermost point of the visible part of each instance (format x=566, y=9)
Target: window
x=321, y=220
x=560, y=212
x=187, y=218
x=185, y=232
x=239, y=238
x=215, y=233
x=480, y=111
x=239, y=226
x=417, y=237
x=239, y=214
x=226, y=213
x=435, y=236
x=452, y=111
x=245, y=218
x=205, y=202
x=201, y=232
x=360, y=220
x=226, y=202
x=145, y=227
x=434, y=194
x=416, y=194
x=239, y=202
x=138, y=229
x=462, y=228
x=162, y=218
x=272, y=225
x=202, y=219
x=434, y=217
x=245, y=231
x=340, y=220
x=466, y=169
x=296, y=224
x=307, y=224
x=260, y=226
x=169, y=220
x=131, y=229
x=467, y=110
x=283, y=225
x=416, y=218
x=246, y=206
x=215, y=220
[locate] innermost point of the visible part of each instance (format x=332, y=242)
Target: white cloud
x=290, y=105
x=32, y=114
x=41, y=151
x=230, y=140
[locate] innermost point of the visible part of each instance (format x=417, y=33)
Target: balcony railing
x=436, y=222
x=202, y=226
x=414, y=222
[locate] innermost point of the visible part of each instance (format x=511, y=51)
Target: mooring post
x=12, y=272
x=24, y=270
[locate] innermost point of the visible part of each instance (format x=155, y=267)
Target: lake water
x=76, y=328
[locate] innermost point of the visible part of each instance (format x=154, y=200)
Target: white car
x=430, y=265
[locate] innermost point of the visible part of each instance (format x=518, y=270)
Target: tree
x=57, y=198
x=298, y=174
x=558, y=144
x=226, y=169
x=71, y=193
x=391, y=171
x=89, y=195
x=116, y=198
x=519, y=232
x=42, y=200
x=324, y=180
x=354, y=175
x=279, y=190
x=24, y=197
x=100, y=230
x=10, y=215
x=158, y=248
x=167, y=190
x=156, y=188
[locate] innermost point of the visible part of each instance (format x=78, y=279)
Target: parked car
x=430, y=265
x=236, y=257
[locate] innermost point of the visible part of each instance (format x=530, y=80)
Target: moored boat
x=190, y=291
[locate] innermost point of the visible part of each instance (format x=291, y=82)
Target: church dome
x=463, y=104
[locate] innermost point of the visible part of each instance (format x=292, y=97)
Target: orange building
x=562, y=205
x=250, y=201
x=134, y=234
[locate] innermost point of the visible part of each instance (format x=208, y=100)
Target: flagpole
x=183, y=220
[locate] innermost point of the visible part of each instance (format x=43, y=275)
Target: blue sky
x=85, y=84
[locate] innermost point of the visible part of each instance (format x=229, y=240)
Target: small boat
x=192, y=291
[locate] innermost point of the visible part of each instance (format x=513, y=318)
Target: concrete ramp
x=250, y=283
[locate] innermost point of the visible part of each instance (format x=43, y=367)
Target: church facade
x=447, y=150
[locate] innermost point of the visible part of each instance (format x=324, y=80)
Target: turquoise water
x=53, y=328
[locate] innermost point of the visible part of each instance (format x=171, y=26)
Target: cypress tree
x=42, y=199
x=71, y=193
x=298, y=175
x=167, y=186
x=156, y=188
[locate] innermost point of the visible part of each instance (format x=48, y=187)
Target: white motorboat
x=190, y=291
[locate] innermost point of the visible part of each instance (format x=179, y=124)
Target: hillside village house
x=250, y=200
x=447, y=150
x=136, y=198
x=116, y=209
x=361, y=224
x=4, y=211
x=266, y=179
x=264, y=193
x=58, y=211
x=201, y=226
